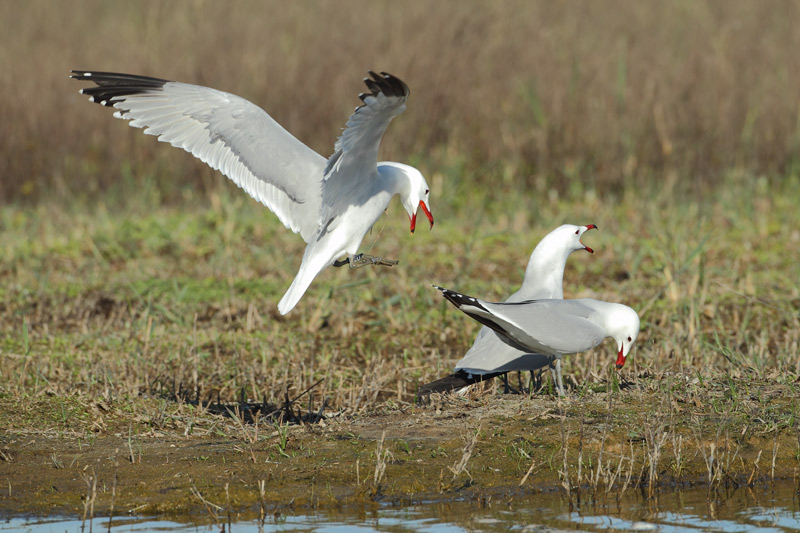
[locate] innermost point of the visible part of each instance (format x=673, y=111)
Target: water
x=771, y=509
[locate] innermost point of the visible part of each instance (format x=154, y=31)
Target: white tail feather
x=299, y=286
x=293, y=295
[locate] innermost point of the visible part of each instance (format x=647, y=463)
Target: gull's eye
x=577, y=231
x=629, y=339
x=427, y=191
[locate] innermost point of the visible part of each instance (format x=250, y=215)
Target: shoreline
x=464, y=448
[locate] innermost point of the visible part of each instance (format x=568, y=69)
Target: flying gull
x=332, y=203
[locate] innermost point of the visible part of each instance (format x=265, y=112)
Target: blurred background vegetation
x=537, y=95
x=673, y=126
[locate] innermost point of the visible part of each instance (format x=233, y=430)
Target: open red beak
x=427, y=214
x=588, y=227
x=620, y=359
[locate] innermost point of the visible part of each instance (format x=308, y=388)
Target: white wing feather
x=228, y=133
x=353, y=166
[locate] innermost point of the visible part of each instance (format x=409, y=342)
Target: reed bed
x=540, y=95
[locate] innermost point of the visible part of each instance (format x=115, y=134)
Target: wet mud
x=474, y=447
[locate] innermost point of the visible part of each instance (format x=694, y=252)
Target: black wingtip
x=387, y=84
x=383, y=83
x=112, y=87
x=114, y=78
x=446, y=293
x=457, y=380
x=458, y=299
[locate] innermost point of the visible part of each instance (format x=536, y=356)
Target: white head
x=566, y=239
x=545, y=271
x=412, y=188
x=623, y=326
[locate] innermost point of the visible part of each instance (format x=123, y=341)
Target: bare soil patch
x=481, y=445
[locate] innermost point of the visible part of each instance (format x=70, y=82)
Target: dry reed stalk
x=211, y=508
x=774, y=456
x=609, y=405
x=248, y=435
x=113, y=491
x=461, y=465
x=580, y=453
x=755, y=469
x=262, y=503
x=677, y=450
x=630, y=471
x=382, y=456
x=528, y=473
x=228, y=504
x=655, y=437
x=564, y=472
x=91, y=496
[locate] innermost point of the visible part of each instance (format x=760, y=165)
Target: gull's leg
x=357, y=261
x=354, y=261
x=507, y=389
x=537, y=383
x=555, y=373
x=560, y=379
x=504, y=379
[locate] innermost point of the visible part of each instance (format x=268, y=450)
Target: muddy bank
x=474, y=447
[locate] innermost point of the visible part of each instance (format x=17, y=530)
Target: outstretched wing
x=225, y=131
x=354, y=162
x=539, y=326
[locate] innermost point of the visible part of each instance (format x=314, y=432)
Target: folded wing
x=541, y=326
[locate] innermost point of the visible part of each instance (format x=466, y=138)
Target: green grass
x=108, y=298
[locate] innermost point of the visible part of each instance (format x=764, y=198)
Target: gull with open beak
x=489, y=356
x=332, y=203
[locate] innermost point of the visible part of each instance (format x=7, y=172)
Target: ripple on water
x=775, y=509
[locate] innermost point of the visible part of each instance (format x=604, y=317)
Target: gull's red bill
x=427, y=213
x=588, y=227
x=620, y=359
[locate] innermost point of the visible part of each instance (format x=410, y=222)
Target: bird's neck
x=545, y=272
